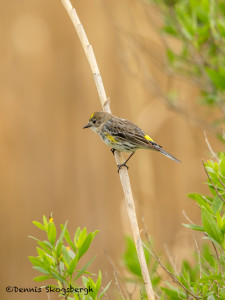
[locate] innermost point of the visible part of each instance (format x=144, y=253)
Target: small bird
x=122, y=135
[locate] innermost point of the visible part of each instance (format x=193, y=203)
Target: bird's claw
x=121, y=165
x=113, y=151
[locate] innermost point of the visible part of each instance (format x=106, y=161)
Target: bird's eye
x=94, y=121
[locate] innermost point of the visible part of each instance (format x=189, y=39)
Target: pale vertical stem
x=124, y=177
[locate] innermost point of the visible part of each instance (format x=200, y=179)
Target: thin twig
x=118, y=286
x=199, y=256
x=175, y=279
x=172, y=262
x=151, y=84
x=213, y=183
x=187, y=218
x=124, y=178
x=217, y=256
x=221, y=181
x=210, y=148
x=151, y=251
x=117, y=274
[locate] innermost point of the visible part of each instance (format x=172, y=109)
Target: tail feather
x=161, y=150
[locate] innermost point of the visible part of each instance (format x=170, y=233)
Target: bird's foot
x=122, y=165
x=113, y=151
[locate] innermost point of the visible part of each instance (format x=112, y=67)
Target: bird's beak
x=87, y=126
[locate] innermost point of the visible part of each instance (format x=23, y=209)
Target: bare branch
x=217, y=256
x=210, y=148
x=171, y=260
x=199, y=256
x=117, y=275
x=175, y=279
x=123, y=171
x=118, y=286
x=187, y=218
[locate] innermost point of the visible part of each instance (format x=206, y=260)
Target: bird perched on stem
x=123, y=135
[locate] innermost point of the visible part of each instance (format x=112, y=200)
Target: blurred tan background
x=48, y=163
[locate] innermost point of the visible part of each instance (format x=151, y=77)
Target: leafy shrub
x=198, y=26
x=59, y=262
x=205, y=279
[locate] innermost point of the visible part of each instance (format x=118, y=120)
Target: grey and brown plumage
x=123, y=135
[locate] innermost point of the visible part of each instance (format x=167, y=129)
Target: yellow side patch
x=91, y=116
x=148, y=138
x=111, y=138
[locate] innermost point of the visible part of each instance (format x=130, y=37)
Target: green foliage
x=212, y=208
x=130, y=260
x=199, y=26
x=59, y=262
x=205, y=279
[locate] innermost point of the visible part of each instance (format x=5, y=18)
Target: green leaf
x=130, y=258
x=66, y=257
x=90, y=284
x=57, y=276
x=39, y=225
x=194, y=227
x=59, y=249
x=84, y=280
x=211, y=277
x=81, y=238
x=217, y=204
x=76, y=236
x=82, y=249
x=42, y=270
x=186, y=22
x=42, y=278
x=83, y=269
x=94, y=234
x=51, y=232
x=217, y=77
x=222, y=165
x=174, y=294
x=201, y=200
x=170, y=56
x=211, y=297
x=222, y=228
x=36, y=261
x=33, y=238
x=221, y=27
x=45, y=222
x=48, y=260
x=62, y=233
x=208, y=256
x=69, y=241
x=71, y=254
x=46, y=246
x=40, y=252
x=72, y=265
x=99, y=281
x=170, y=30
x=211, y=226
x=104, y=290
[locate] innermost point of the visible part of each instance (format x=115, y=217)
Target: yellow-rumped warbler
x=122, y=135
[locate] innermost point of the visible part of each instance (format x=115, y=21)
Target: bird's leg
x=113, y=150
x=125, y=163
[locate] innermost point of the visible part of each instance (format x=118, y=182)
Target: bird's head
x=97, y=119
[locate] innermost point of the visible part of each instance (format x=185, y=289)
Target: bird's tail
x=161, y=150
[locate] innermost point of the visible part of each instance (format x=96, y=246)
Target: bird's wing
x=124, y=130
